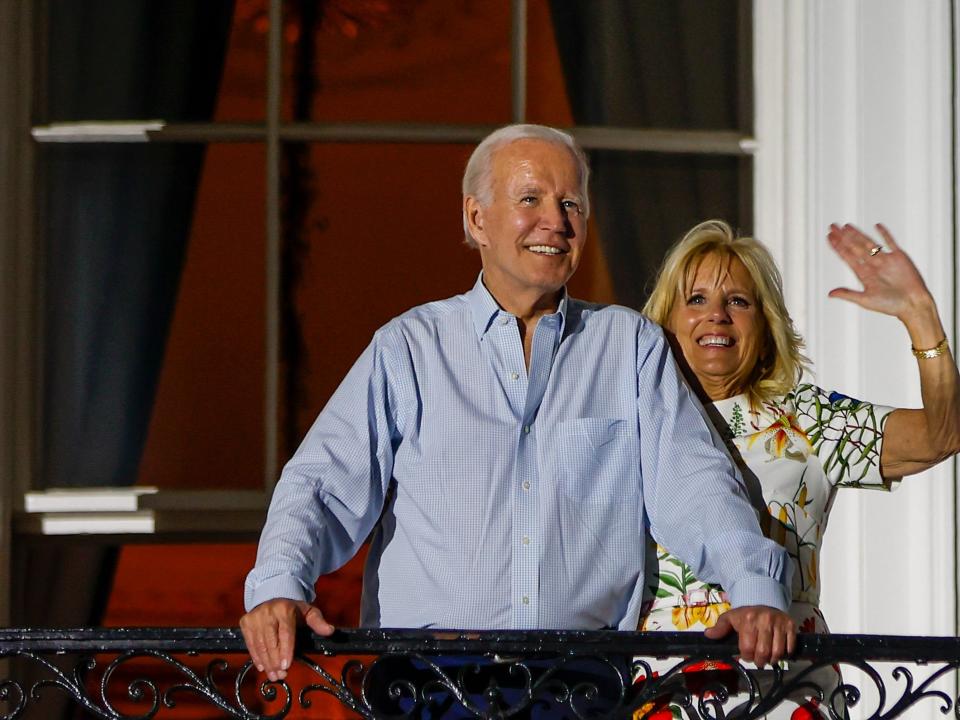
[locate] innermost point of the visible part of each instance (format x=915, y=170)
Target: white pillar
x=854, y=125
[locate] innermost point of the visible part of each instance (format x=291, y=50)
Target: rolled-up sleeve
x=694, y=499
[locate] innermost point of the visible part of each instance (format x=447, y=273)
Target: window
x=231, y=196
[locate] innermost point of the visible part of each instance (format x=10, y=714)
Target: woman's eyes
x=738, y=300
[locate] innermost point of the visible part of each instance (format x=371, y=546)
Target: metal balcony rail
x=143, y=673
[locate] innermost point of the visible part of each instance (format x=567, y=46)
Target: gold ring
x=875, y=249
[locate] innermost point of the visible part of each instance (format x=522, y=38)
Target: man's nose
x=555, y=218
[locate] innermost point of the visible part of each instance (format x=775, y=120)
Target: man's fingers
x=720, y=629
x=271, y=648
x=252, y=646
x=748, y=643
x=762, y=645
x=315, y=620
x=286, y=634
x=779, y=647
x=765, y=634
x=269, y=630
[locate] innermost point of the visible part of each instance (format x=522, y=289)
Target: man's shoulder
x=427, y=315
x=596, y=316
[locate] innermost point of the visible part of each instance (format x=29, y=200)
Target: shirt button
x=514, y=376
x=526, y=600
x=526, y=540
x=526, y=484
x=526, y=429
x=504, y=321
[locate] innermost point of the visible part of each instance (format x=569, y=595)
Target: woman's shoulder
x=812, y=400
x=745, y=415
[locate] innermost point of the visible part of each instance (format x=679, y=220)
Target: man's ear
x=473, y=212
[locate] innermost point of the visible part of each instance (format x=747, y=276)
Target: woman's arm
x=913, y=440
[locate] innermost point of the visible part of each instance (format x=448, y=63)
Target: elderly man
x=508, y=446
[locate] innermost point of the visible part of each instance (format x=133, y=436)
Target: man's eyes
x=569, y=205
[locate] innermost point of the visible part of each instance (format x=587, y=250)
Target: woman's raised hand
x=891, y=282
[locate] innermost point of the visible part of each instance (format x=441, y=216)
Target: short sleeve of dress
x=846, y=435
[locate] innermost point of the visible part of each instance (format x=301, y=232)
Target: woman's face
x=719, y=326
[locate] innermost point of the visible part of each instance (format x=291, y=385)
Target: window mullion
x=518, y=60
x=273, y=230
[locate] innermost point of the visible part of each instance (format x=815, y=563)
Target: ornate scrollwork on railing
x=142, y=673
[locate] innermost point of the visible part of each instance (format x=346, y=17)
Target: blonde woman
x=719, y=298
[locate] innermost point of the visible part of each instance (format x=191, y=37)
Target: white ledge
x=100, y=131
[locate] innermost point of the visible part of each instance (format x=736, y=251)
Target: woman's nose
x=718, y=312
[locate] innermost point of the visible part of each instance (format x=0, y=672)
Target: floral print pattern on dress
x=797, y=449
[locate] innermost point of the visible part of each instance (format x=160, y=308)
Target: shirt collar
x=485, y=309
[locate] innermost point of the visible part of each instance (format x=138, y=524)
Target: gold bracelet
x=936, y=351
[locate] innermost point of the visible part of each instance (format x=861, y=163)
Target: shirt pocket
x=597, y=461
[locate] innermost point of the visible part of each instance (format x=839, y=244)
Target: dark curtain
x=673, y=64
x=116, y=221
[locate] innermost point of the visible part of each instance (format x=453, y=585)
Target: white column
x=854, y=125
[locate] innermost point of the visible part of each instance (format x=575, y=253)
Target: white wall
x=854, y=125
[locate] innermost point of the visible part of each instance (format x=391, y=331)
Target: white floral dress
x=794, y=453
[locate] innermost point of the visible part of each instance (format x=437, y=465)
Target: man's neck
x=528, y=307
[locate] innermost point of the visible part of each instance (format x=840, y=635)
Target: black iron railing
x=147, y=673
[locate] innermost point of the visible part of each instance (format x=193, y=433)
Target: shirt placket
x=527, y=531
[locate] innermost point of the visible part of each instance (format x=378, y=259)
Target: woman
x=720, y=300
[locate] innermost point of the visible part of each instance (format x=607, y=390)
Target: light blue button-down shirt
x=507, y=498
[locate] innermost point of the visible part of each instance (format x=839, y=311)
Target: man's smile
x=546, y=250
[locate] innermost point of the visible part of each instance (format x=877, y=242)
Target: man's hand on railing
x=766, y=634
x=269, y=631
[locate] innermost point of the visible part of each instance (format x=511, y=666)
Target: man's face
x=532, y=233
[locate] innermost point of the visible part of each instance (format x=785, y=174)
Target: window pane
x=154, y=320
x=442, y=61
x=682, y=64
x=645, y=202
x=380, y=231
x=547, y=100
x=138, y=60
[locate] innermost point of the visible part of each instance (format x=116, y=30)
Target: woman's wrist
x=941, y=348
x=923, y=324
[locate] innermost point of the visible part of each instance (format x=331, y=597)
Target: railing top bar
x=460, y=642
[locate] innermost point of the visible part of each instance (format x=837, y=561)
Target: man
x=508, y=446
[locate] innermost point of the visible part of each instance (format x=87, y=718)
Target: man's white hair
x=478, y=176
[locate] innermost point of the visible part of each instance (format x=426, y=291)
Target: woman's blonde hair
x=782, y=361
